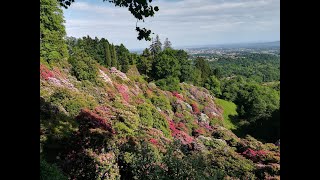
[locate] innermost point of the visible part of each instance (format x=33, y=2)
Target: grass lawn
x=229, y=109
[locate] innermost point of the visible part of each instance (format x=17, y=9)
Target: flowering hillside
x=116, y=125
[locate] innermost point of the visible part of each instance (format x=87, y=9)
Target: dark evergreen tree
x=144, y=63
x=107, y=54
x=156, y=46
x=114, y=58
x=123, y=55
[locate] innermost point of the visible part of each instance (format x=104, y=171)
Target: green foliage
x=257, y=66
x=94, y=48
x=169, y=84
x=107, y=55
x=52, y=31
x=123, y=129
x=140, y=162
x=195, y=77
x=114, y=58
x=145, y=114
x=83, y=66
x=213, y=84
x=156, y=46
x=71, y=101
x=166, y=64
x=229, y=113
x=159, y=122
x=231, y=163
x=123, y=56
x=162, y=102
x=150, y=117
x=50, y=171
x=204, y=67
x=254, y=101
x=144, y=63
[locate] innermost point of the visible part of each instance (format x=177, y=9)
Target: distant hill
x=273, y=44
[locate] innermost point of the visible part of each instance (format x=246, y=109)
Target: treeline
x=168, y=67
x=258, y=66
x=105, y=53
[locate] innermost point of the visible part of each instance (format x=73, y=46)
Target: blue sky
x=184, y=22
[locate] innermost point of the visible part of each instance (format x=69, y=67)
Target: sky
x=183, y=22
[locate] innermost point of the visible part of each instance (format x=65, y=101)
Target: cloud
x=184, y=22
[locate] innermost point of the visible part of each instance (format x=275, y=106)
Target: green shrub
x=232, y=163
x=162, y=102
x=169, y=84
x=145, y=114
x=123, y=129
x=71, y=101
x=50, y=171
x=83, y=66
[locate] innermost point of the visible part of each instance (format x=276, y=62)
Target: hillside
x=117, y=126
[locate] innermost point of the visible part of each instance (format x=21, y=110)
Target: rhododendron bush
x=45, y=73
x=88, y=120
x=253, y=154
x=124, y=91
x=177, y=95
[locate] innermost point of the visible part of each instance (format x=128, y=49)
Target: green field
x=229, y=110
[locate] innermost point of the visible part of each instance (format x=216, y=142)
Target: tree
x=186, y=66
x=167, y=44
x=52, y=31
x=166, y=64
x=139, y=9
x=107, y=54
x=213, y=84
x=83, y=66
x=217, y=72
x=114, y=58
x=195, y=77
x=123, y=55
x=156, y=46
x=144, y=63
x=71, y=42
x=204, y=67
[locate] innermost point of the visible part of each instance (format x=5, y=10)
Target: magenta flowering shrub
x=124, y=91
x=180, y=135
x=45, y=73
x=153, y=141
x=177, y=95
x=255, y=156
x=90, y=120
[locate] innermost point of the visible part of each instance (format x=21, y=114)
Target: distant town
x=232, y=51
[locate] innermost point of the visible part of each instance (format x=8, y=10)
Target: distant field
x=229, y=110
